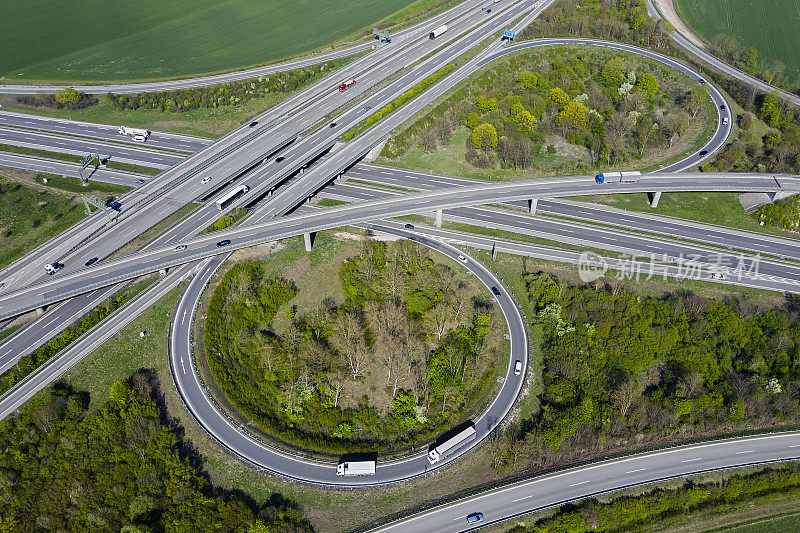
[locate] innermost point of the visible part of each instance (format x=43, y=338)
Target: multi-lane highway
x=83, y=279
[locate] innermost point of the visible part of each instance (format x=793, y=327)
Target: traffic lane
x=701, y=232
x=295, y=467
x=659, y=250
x=71, y=145
x=29, y=338
x=58, y=365
x=690, y=257
x=62, y=286
x=732, y=238
x=157, y=139
x=51, y=166
x=582, y=482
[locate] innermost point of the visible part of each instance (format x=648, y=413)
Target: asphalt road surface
x=597, y=478
x=67, y=284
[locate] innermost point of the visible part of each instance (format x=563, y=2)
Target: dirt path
x=667, y=9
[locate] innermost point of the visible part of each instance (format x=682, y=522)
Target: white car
x=718, y=275
x=180, y=247
x=462, y=259
x=139, y=138
x=206, y=179
x=518, y=368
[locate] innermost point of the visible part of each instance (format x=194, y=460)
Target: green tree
x=559, y=97
x=614, y=72
x=574, y=116
x=484, y=137
x=68, y=97
x=750, y=59
x=648, y=84
x=486, y=104
x=526, y=122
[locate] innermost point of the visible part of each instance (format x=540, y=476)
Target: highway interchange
x=251, y=153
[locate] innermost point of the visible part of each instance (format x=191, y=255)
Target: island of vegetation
x=379, y=347
x=561, y=110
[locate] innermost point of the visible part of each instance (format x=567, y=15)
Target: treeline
x=226, y=94
x=405, y=354
x=67, y=98
x=745, y=58
x=28, y=363
x=119, y=467
x=618, y=108
x=613, y=20
x=622, y=368
x=633, y=513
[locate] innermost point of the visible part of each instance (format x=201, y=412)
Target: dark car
x=495, y=291
x=474, y=517
x=703, y=152
x=140, y=180
x=489, y=10
x=254, y=123
x=279, y=159
x=226, y=242
x=333, y=125
x=722, y=106
x=91, y=261
x=409, y=226
x=701, y=81
x=367, y=107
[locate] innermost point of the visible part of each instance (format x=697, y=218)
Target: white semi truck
x=617, y=177
x=438, y=31
x=124, y=130
x=452, y=444
x=356, y=468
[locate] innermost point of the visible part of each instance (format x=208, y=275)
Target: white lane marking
x=184, y=316
x=745, y=451
x=579, y=483
x=690, y=460
x=795, y=446
x=183, y=366
x=637, y=470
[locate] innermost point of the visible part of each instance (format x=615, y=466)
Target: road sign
x=509, y=34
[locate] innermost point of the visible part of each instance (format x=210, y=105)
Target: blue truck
x=617, y=177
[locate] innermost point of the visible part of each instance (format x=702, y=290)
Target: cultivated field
x=76, y=40
x=771, y=27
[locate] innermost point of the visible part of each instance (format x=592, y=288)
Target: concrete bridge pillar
x=533, y=203
x=438, y=218
x=654, y=198
x=309, y=240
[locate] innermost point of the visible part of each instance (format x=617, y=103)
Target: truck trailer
x=356, y=468
x=438, y=31
x=347, y=84
x=124, y=130
x=224, y=200
x=455, y=442
x=617, y=177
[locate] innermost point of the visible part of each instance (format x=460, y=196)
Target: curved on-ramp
x=248, y=449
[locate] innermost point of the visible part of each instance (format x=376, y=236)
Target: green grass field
x=770, y=27
x=74, y=40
